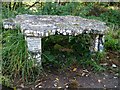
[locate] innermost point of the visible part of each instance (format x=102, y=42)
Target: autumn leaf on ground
x=74, y=69
x=57, y=79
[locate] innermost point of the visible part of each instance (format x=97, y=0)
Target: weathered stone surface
x=44, y=25
x=9, y=24
x=34, y=44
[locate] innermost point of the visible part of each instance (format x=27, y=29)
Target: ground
x=77, y=77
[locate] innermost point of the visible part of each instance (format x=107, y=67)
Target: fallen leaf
x=57, y=79
x=74, y=69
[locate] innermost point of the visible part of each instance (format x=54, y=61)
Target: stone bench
x=35, y=27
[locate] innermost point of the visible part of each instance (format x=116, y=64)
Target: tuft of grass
x=15, y=63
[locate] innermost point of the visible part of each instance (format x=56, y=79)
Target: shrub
x=112, y=40
x=111, y=17
x=63, y=51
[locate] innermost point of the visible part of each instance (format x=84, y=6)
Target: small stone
x=55, y=84
x=115, y=77
x=87, y=75
x=59, y=87
x=114, y=66
x=99, y=80
x=104, y=78
x=107, y=57
x=104, y=85
x=40, y=86
x=66, y=86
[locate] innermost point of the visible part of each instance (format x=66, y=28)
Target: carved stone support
x=101, y=43
x=34, y=46
x=97, y=43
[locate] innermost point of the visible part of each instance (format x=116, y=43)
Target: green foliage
x=113, y=40
x=111, y=17
x=80, y=52
x=85, y=10
x=89, y=10
x=95, y=61
x=97, y=67
x=56, y=9
x=7, y=12
x=69, y=49
x=15, y=61
x=4, y=80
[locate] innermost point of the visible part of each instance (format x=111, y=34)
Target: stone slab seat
x=35, y=27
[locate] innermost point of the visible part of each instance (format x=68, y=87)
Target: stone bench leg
x=97, y=43
x=34, y=47
x=101, y=43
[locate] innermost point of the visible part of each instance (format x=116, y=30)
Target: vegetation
x=58, y=51
x=15, y=57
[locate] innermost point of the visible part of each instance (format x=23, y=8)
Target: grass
x=15, y=61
